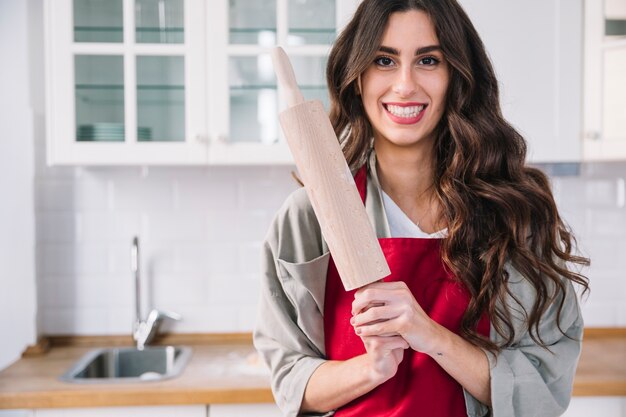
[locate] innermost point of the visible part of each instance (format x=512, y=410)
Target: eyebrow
x=419, y=51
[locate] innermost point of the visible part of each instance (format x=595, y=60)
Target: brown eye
x=384, y=61
x=429, y=61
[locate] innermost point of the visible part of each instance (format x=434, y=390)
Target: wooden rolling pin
x=329, y=184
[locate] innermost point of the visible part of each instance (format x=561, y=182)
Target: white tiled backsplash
x=200, y=232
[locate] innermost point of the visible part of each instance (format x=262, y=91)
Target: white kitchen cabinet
x=139, y=82
x=605, y=80
x=536, y=49
x=155, y=411
x=249, y=410
x=125, y=82
x=191, y=81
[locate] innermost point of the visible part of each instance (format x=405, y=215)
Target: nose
x=405, y=83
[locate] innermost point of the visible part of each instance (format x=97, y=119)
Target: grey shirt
x=526, y=379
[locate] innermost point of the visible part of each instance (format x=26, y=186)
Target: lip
x=405, y=120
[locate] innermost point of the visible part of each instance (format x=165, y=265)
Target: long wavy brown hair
x=497, y=209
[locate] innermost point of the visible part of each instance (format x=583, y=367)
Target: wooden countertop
x=602, y=367
x=220, y=373
x=229, y=372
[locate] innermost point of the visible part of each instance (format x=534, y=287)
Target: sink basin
x=129, y=364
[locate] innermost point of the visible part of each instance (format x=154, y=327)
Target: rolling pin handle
x=286, y=77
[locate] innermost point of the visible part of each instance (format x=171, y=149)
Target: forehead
x=410, y=29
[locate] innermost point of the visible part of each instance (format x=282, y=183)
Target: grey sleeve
x=528, y=380
x=289, y=329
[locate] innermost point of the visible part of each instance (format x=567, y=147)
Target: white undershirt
x=401, y=226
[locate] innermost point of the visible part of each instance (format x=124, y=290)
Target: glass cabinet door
x=254, y=94
x=306, y=29
x=253, y=99
x=159, y=79
x=310, y=72
x=126, y=81
x=311, y=22
x=99, y=98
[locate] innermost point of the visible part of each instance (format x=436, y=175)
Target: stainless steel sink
x=129, y=364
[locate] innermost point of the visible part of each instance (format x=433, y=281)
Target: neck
x=405, y=173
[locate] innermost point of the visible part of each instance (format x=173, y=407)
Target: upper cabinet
x=536, y=50
x=605, y=80
x=179, y=82
x=191, y=81
x=126, y=82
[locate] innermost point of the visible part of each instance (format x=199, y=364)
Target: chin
x=403, y=139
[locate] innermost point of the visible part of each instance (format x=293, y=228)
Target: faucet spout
x=145, y=330
x=134, y=267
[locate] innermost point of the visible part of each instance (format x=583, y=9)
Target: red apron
x=420, y=387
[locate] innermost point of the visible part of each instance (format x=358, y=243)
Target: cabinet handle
x=222, y=138
x=201, y=138
x=593, y=135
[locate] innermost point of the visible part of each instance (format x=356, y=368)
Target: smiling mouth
x=405, y=111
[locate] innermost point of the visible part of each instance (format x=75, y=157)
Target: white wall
x=594, y=205
x=17, y=235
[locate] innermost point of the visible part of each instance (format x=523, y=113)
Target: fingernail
x=352, y=321
x=358, y=330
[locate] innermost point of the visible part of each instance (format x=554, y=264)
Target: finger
x=367, y=307
x=383, y=328
x=375, y=314
x=384, y=285
x=379, y=293
x=364, y=299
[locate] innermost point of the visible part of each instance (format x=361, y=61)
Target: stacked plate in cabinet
x=109, y=132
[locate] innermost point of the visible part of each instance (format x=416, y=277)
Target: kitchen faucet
x=145, y=330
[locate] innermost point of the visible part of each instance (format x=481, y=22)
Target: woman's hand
x=384, y=354
x=388, y=309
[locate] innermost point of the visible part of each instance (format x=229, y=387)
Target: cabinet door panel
x=605, y=86
x=98, y=21
x=159, y=21
x=253, y=99
x=536, y=50
x=252, y=22
x=99, y=98
x=311, y=22
x=161, y=99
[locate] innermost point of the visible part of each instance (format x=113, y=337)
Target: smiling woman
x=479, y=315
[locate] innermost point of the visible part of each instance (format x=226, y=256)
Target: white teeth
x=402, y=111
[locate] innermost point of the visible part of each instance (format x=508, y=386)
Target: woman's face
x=404, y=89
